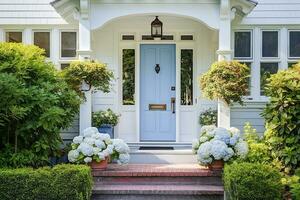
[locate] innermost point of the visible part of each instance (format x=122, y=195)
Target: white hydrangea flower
x=241, y=149
x=88, y=132
x=101, y=156
x=110, y=149
x=96, y=150
x=124, y=158
x=96, y=136
x=234, y=131
x=77, y=139
x=120, y=146
x=87, y=159
x=89, y=140
x=105, y=153
x=218, y=149
x=203, y=139
x=233, y=141
x=104, y=137
x=195, y=145
x=86, y=149
x=73, y=155
x=204, y=150
x=206, y=129
x=100, y=144
x=222, y=134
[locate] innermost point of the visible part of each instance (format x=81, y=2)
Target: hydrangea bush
x=97, y=146
x=219, y=144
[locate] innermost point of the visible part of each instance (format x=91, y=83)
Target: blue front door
x=157, y=90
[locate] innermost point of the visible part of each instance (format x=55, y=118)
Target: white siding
x=274, y=12
x=28, y=12
x=251, y=112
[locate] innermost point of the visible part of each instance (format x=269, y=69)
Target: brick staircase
x=157, y=181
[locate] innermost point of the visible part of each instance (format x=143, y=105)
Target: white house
x=160, y=105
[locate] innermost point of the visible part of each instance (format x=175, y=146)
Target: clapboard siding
x=72, y=131
x=28, y=12
x=251, y=112
x=274, y=12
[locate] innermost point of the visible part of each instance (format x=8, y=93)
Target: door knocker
x=157, y=68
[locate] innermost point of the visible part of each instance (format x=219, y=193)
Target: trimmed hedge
x=250, y=181
x=63, y=182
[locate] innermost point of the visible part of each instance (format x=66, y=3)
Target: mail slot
x=157, y=107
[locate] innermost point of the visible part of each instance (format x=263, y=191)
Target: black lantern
x=156, y=28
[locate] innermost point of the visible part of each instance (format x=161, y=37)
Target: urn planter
x=102, y=165
x=107, y=128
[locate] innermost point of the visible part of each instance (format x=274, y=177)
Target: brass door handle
x=173, y=105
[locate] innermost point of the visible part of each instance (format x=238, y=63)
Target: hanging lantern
x=156, y=28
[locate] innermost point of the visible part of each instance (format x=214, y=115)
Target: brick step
x=162, y=180
x=156, y=197
x=158, y=189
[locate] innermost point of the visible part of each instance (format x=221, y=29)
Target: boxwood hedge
x=62, y=182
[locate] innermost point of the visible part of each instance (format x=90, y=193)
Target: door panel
x=156, y=88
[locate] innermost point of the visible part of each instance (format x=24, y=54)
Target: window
x=270, y=44
x=294, y=44
x=64, y=65
x=127, y=37
x=187, y=37
x=13, y=37
x=242, y=44
x=42, y=40
x=128, y=80
x=68, y=44
x=249, y=78
x=266, y=70
x=186, y=77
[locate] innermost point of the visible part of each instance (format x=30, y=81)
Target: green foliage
x=36, y=103
x=282, y=116
x=249, y=181
x=62, y=182
x=226, y=80
x=208, y=117
x=295, y=186
x=105, y=117
x=93, y=73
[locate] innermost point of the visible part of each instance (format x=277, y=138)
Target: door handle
x=173, y=105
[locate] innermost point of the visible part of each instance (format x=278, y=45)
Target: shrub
x=105, y=117
x=226, y=80
x=62, y=182
x=295, y=186
x=36, y=103
x=93, y=73
x=249, y=181
x=208, y=117
x=282, y=116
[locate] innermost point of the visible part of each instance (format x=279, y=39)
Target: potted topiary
x=208, y=117
x=105, y=121
x=218, y=145
x=95, y=149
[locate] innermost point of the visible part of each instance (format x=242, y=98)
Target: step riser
x=160, y=180
x=138, y=158
x=161, y=197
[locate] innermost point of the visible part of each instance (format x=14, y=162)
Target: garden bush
x=295, y=187
x=226, y=80
x=250, y=181
x=282, y=116
x=36, y=103
x=208, y=117
x=63, y=182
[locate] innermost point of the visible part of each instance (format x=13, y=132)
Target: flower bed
x=219, y=144
x=63, y=182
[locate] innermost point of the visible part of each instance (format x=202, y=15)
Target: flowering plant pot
x=216, y=165
x=102, y=165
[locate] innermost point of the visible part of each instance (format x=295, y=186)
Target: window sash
x=266, y=44
x=243, y=57
x=68, y=50
x=265, y=74
x=290, y=46
x=44, y=43
x=14, y=36
x=128, y=76
x=187, y=77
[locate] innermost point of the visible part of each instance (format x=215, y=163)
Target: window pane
x=242, y=44
x=68, y=44
x=128, y=76
x=270, y=44
x=42, y=40
x=295, y=44
x=186, y=77
x=14, y=37
x=266, y=70
x=249, y=78
x=64, y=65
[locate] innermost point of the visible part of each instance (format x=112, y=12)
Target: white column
x=2, y=35
x=84, y=52
x=55, y=44
x=224, y=53
x=27, y=36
